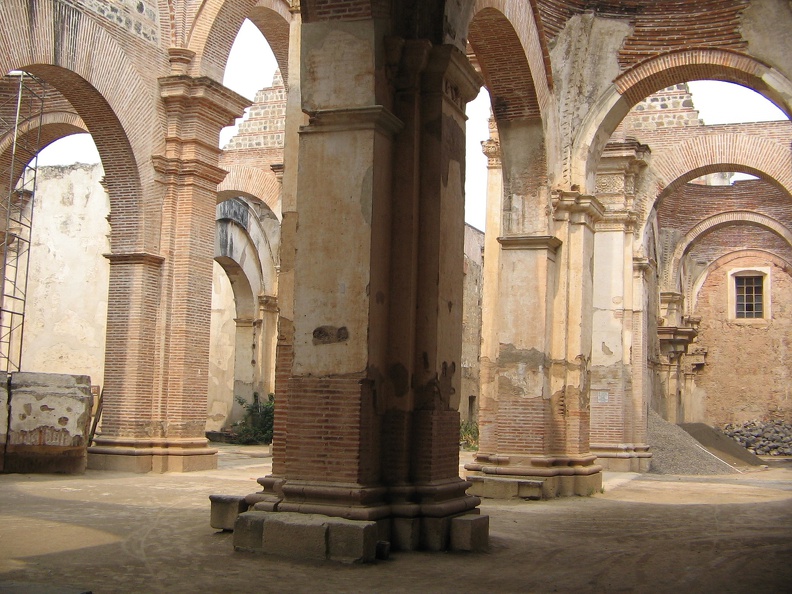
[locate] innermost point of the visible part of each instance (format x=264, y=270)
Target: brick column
x=158, y=327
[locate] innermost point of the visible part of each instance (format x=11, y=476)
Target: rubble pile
x=763, y=438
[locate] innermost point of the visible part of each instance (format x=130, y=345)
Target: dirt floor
x=112, y=532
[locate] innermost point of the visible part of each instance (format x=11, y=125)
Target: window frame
x=757, y=271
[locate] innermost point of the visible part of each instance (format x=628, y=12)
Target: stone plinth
x=49, y=424
x=306, y=536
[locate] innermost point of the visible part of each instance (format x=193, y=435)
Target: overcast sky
x=251, y=67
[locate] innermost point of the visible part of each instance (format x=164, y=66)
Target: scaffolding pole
x=21, y=115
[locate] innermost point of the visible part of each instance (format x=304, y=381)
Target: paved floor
x=113, y=532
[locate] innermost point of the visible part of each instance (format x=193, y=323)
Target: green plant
x=258, y=422
x=469, y=435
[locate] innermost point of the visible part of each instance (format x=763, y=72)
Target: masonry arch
x=514, y=65
x=217, y=22
x=746, y=153
x=710, y=224
x=252, y=183
x=656, y=73
x=90, y=69
x=242, y=357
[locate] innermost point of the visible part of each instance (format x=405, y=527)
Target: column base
x=623, y=457
x=533, y=477
x=144, y=455
x=446, y=518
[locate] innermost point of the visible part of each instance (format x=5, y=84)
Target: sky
x=251, y=66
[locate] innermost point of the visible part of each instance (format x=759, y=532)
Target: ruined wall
x=471, y=323
x=748, y=373
x=66, y=307
x=221, y=352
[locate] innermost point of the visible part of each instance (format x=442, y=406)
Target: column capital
x=268, y=303
x=577, y=208
x=135, y=258
x=530, y=242
x=201, y=97
x=450, y=72
x=624, y=220
x=373, y=117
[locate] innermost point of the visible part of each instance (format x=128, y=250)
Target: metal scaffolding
x=21, y=114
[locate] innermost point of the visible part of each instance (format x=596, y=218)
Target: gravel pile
x=674, y=451
x=764, y=438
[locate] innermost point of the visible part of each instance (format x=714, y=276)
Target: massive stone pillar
x=367, y=428
x=535, y=403
x=618, y=419
x=159, y=304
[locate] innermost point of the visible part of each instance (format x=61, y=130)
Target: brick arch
x=54, y=126
x=717, y=153
x=513, y=58
x=217, y=23
x=251, y=182
x=671, y=274
x=691, y=298
x=657, y=73
x=90, y=69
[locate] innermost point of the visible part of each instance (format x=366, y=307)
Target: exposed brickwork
x=498, y=50
x=331, y=429
x=215, y=28
x=663, y=27
x=343, y=10
x=747, y=372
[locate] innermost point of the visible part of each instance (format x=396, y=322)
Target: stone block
x=506, y=487
x=249, y=531
x=405, y=534
x=292, y=534
x=351, y=541
x=470, y=533
x=49, y=422
x=434, y=533
x=225, y=509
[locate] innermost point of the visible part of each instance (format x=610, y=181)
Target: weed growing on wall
x=257, y=425
x=469, y=435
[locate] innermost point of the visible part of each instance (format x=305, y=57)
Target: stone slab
x=351, y=541
x=292, y=534
x=225, y=509
x=249, y=531
x=470, y=532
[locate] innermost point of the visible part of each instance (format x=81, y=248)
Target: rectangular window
x=749, y=296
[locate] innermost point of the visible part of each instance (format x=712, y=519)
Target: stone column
x=540, y=442
x=159, y=343
x=244, y=360
x=284, y=350
x=614, y=416
x=369, y=431
x=266, y=342
x=448, y=83
x=490, y=290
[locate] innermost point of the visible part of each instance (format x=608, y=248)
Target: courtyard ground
x=109, y=532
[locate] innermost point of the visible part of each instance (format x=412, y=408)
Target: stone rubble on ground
x=674, y=451
x=763, y=438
